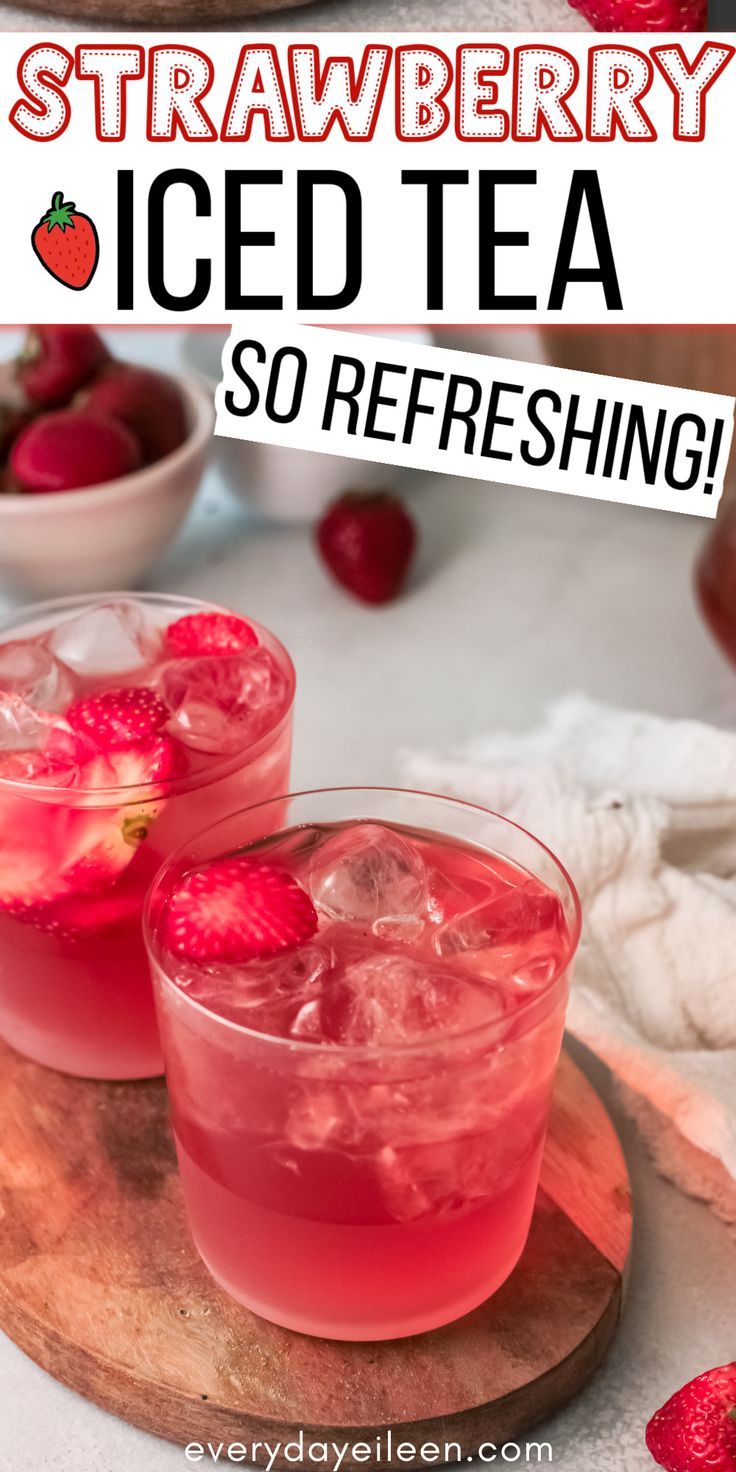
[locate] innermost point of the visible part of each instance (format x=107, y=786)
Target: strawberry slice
x=238, y=910
x=51, y=855
x=118, y=718
x=77, y=916
x=210, y=633
x=159, y=760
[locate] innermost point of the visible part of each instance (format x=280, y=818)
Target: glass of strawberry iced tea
x=361, y=1019
x=126, y=723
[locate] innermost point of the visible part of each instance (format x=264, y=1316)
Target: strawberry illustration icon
x=66, y=244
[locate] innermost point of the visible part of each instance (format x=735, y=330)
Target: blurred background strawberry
x=644, y=15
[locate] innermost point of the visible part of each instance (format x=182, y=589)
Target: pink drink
x=98, y=786
x=360, y=1118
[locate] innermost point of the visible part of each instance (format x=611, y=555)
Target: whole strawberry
x=70, y=449
x=695, y=1431
x=13, y=419
x=149, y=403
x=15, y=410
x=66, y=244
x=367, y=540
x=55, y=362
x=644, y=15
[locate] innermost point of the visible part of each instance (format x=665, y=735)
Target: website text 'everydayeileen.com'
x=382, y=1450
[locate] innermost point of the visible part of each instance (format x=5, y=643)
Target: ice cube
x=384, y=1000
x=406, y=929
x=534, y=972
x=510, y=917
x=369, y=874
x=106, y=639
x=21, y=727
x=445, y=1175
x=262, y=995
x=324, y=1118
x=31, y=766
x=28, y=669
x=223, y=703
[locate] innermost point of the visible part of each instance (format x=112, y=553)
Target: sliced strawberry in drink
x=210, y=633
x=51, y=853
x=118, y=718
x=76, y=916
x=239, y=909
x=109, y=837
x=158, y=760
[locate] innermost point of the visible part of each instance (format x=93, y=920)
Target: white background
x=671, y=207
x=306, y=431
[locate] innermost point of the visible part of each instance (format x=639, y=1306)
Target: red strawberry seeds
x=210, y=633
x=238, y=910
x=367, y=541
x=71, y=449
x=643, y=15
x=118, y=718
x=695, y=1431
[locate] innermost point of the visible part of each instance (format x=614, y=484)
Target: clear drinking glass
x=382, y=1186
x=76, y=860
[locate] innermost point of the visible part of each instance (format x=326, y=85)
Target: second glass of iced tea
x=361, y=1017
x=126, y=723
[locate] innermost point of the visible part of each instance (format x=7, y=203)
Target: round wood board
x=199, y=14
x=101, y=1285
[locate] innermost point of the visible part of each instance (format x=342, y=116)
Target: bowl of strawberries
x=100, y=460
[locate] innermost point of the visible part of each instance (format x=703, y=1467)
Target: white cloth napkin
x=642, y=812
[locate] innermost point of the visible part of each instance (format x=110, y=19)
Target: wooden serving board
x=100, y=1284
x=199, y=14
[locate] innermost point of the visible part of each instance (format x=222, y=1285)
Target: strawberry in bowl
x=119, y=737
x=127, y=446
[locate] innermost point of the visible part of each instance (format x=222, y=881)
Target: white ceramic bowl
x=277, y=481
x=105, y=536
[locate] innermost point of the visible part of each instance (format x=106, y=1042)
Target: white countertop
x=355, y=15
x=520, y=597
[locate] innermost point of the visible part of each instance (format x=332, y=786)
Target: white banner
x=408, y=404
x=370, y=179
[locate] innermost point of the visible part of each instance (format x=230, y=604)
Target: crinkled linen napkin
x=642, y=812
